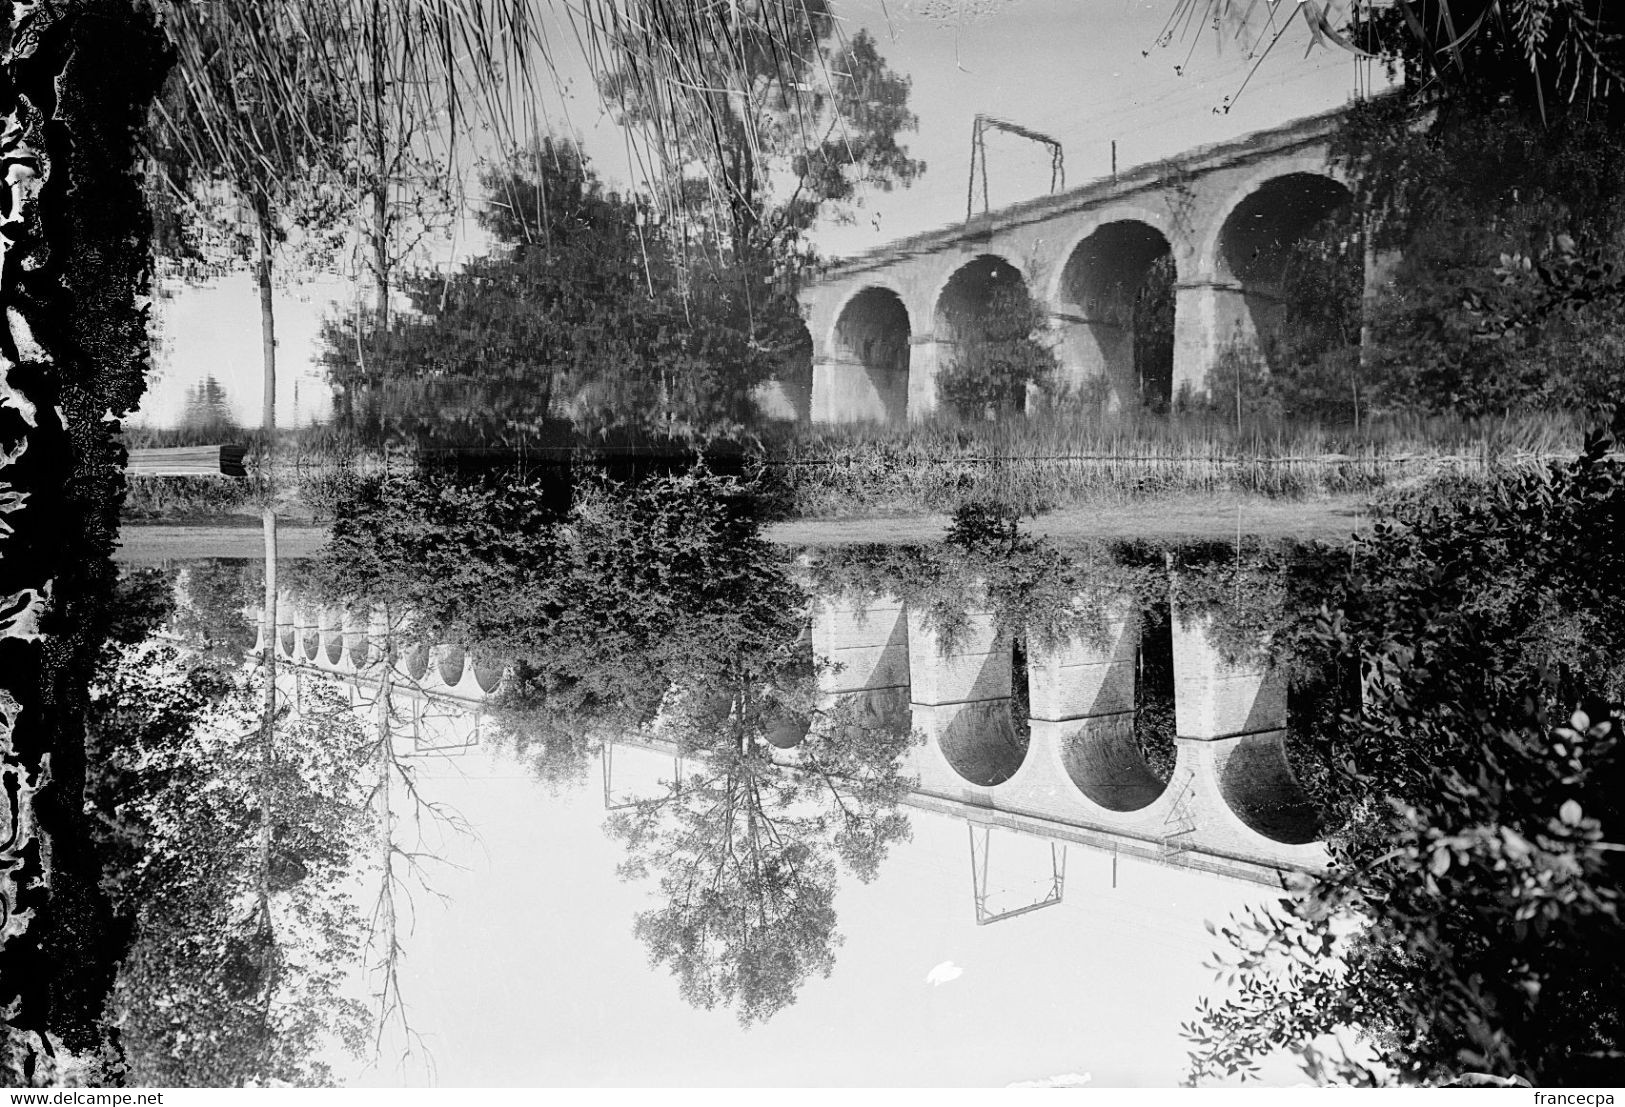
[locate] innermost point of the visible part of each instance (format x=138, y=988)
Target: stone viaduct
x=1231, y=805
x=884, y=323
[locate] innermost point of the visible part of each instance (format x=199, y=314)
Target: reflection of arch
x=872, y=331
x=357, y=643
x=848, y=718
x=449, y=663
x=332, y=633
x=414, y=661
x=487, y=676
x=785, y=730
x=1108, y=275
x=1259, y=786
x=981, y=743
x=1105, y=763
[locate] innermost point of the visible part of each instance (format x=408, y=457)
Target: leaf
x=1570, y=813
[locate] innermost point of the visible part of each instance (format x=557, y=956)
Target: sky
x=528, y=974
x=1084, y=73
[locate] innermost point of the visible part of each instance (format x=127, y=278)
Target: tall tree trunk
x=262, y=272
x=380, y=252
x=380, y=170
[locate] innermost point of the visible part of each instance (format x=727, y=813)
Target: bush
x=1000, y=353
x=178, y=498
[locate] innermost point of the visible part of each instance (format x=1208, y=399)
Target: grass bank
x=1043, y=464
x=1047, y=463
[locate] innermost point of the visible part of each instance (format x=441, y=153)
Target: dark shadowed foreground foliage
x=1469, y=922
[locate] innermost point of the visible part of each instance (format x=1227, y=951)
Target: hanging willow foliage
x=1559, y=51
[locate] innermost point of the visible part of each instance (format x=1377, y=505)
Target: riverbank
x=1327, y=519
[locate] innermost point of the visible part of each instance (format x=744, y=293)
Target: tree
x=237, y=971
x=764, y=100
x=249, y=121
x=764, y=110
x=1511, y=108
x=1470, y=921
x=1553, y=56
x=999, y=352
x=583, y=316
x=306, y=110
x=1520, y=309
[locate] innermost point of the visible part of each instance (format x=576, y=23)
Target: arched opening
x=1257, y=783
x=1118, y=315
x=333, y=636
x=488, y=676
x=982, y=744
x=993, y=340
x=872, y=342
x=1156, y=722
x=450, y=664
x=357, y=643
x=1296, y=248
x=1104, y=761
x=783, y=728
x=414, y=661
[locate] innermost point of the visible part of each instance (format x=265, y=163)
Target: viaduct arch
x=1214, y=222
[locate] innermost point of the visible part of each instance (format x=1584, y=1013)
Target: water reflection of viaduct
x=884, y=323
x=437, y=692
x=1231, y=804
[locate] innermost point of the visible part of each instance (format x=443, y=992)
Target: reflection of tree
x=234, y=844
x=210, y=612
x=402, y=815
x=601, y=610
x=746, y=850
x=1036, y=592
x=236, y=971
x=657, y=609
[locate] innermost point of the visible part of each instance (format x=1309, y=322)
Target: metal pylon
x=979, y=870
x=607, y=761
